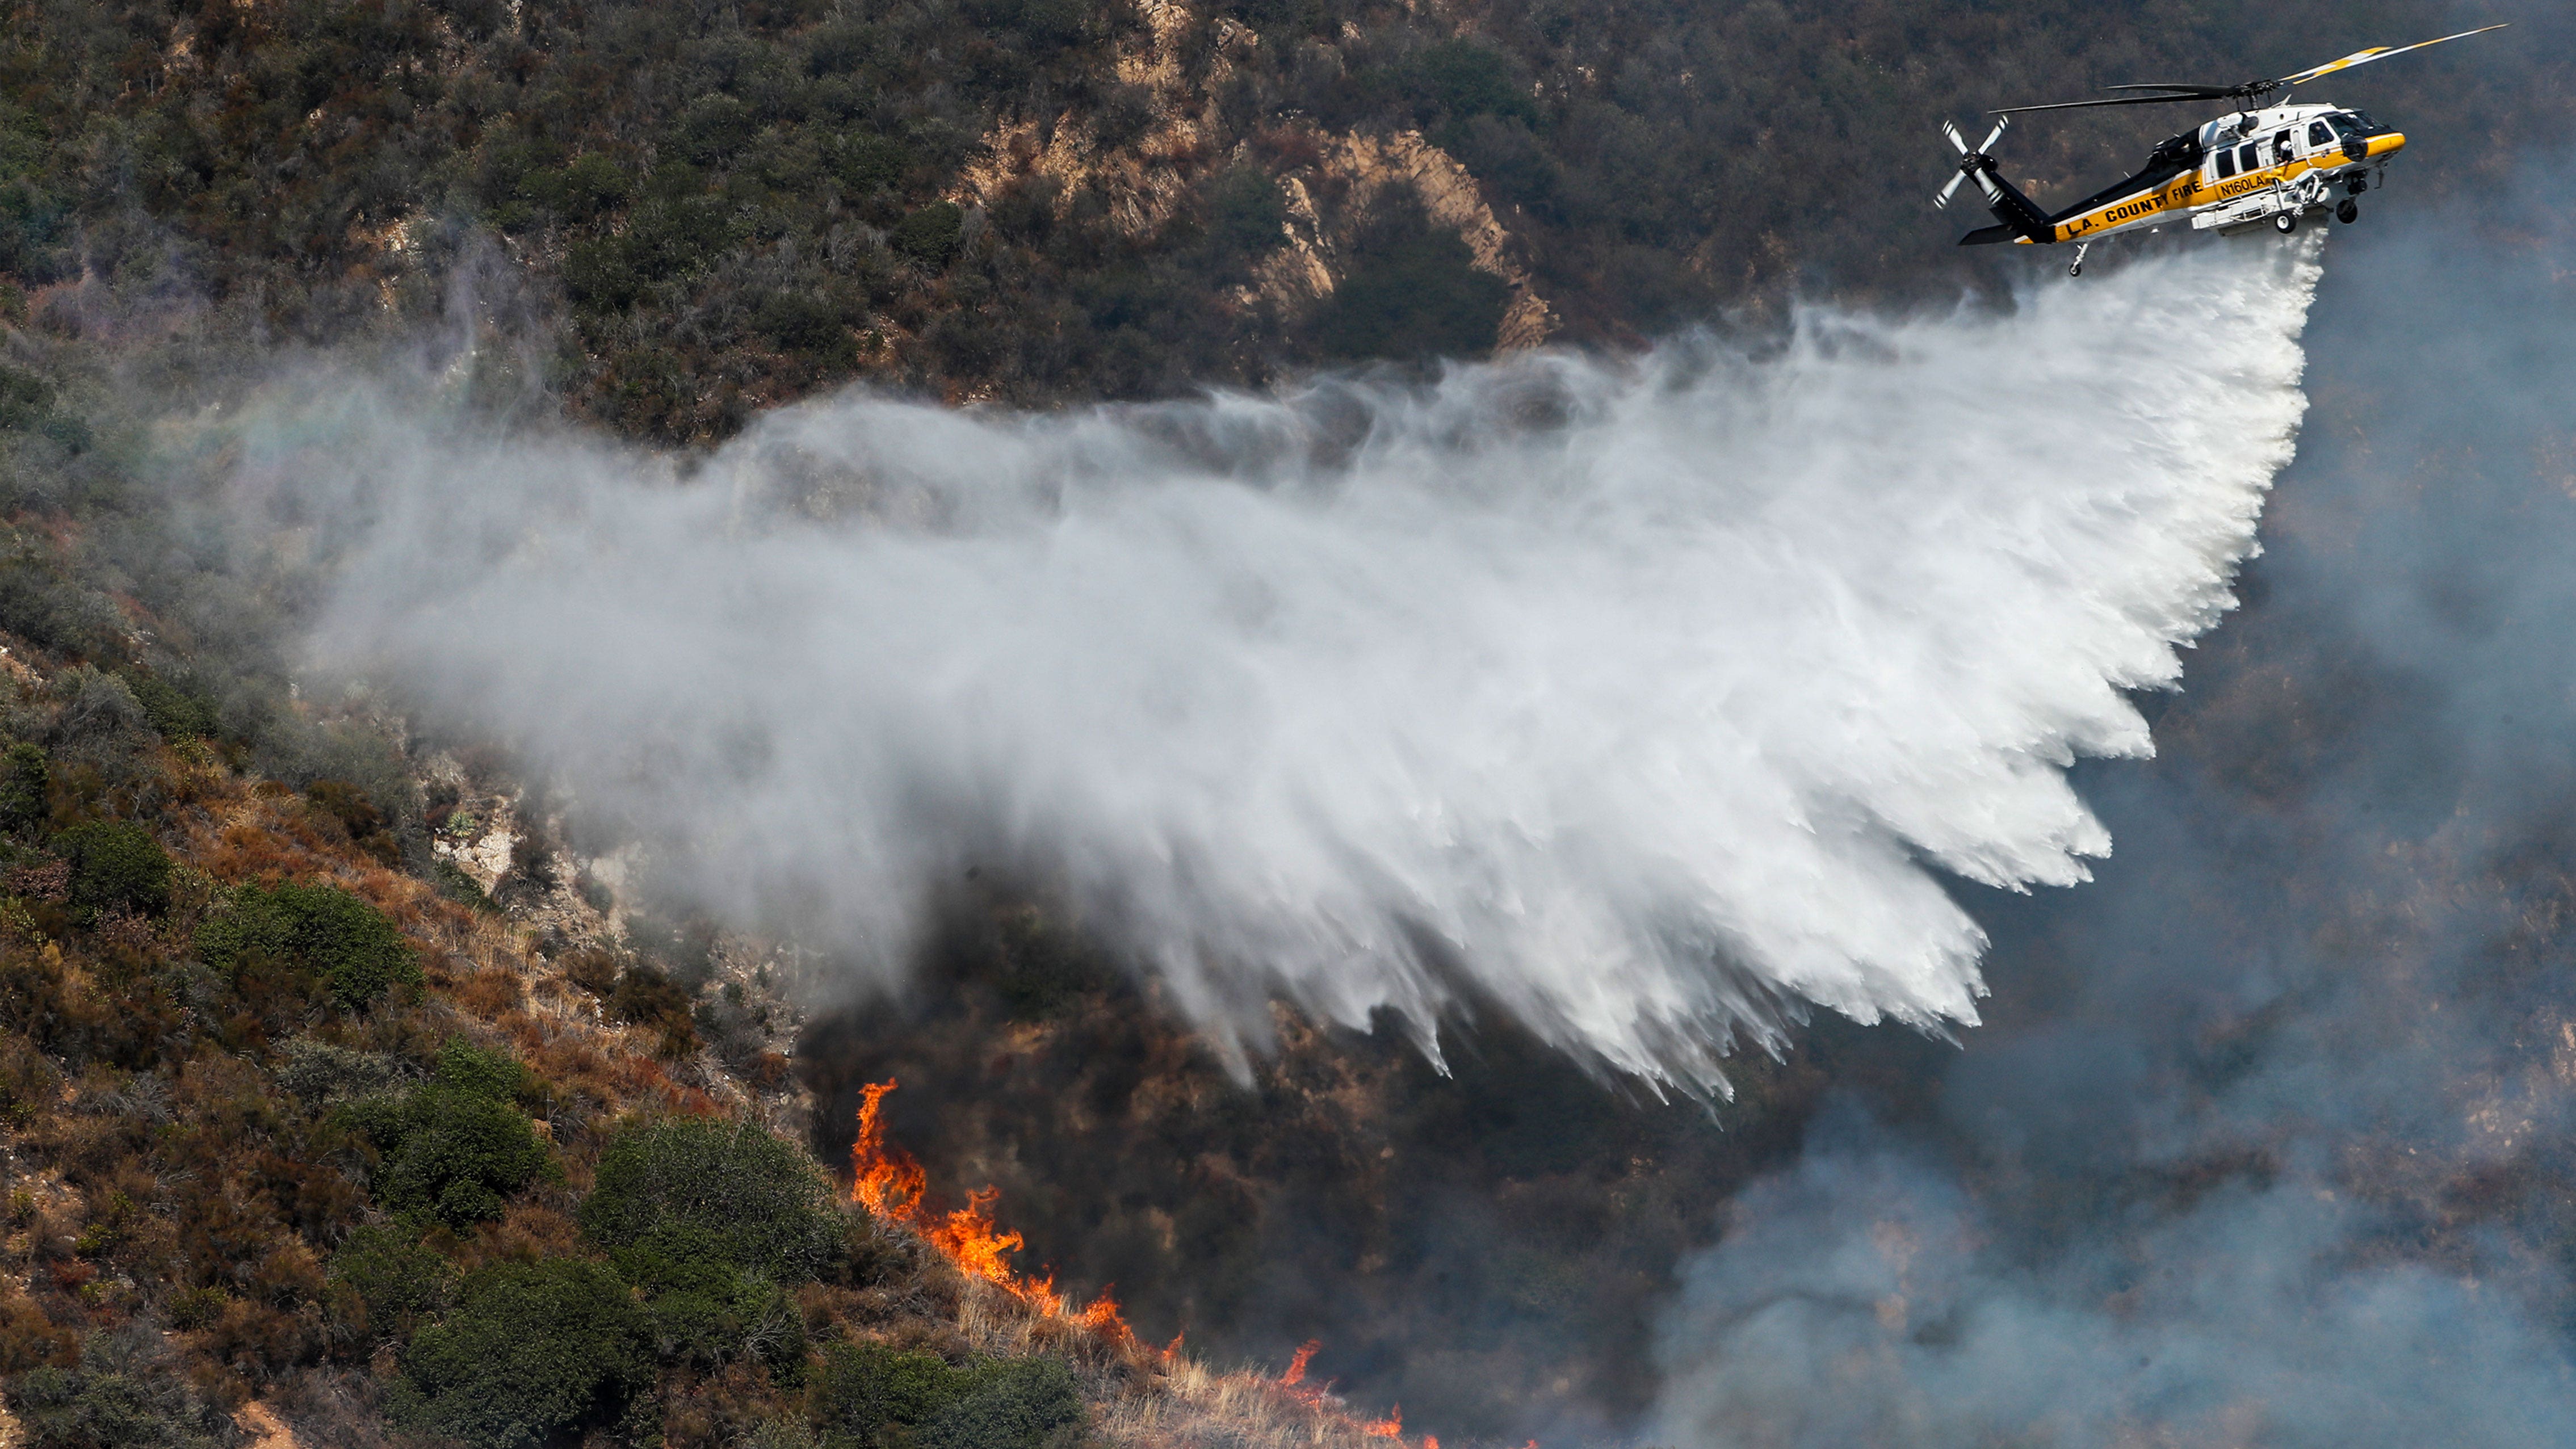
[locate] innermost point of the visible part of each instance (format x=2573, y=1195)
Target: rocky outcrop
x=1146, y=183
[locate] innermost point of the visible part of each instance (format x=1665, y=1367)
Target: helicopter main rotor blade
x=2196, y=93
x=2117, y=101
x=2251, y=90
x=2377, y=52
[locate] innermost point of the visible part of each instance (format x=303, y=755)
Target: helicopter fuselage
x=2237, y=170
x=2258, y=162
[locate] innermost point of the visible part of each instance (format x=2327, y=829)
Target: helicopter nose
x=2388, y=145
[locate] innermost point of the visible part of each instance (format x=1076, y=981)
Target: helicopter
x=2260, y=162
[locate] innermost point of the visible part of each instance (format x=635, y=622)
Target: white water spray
x=1647, y=700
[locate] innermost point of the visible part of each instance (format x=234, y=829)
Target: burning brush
x=891, y=1184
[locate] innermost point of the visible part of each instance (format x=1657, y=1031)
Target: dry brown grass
x=1193, y=1406
x=482, y=970
x=1143, y=1399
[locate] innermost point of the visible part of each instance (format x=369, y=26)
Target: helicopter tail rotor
x=1971, y=162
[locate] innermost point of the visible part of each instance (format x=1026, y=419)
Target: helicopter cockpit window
x=2320, y=134
x=2226, y=164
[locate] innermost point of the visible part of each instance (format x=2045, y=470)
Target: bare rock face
x=1146, y=183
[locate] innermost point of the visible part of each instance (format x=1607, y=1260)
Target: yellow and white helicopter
x=2258, y=163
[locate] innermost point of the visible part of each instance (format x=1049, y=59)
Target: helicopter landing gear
x=2077, y=269
x=2286, y=222
x=2349, y=212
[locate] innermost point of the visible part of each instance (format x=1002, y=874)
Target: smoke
x=2269, y=1150
x=1650, y=702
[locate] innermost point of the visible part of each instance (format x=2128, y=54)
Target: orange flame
x=889, y=1183
x=1293, y=1383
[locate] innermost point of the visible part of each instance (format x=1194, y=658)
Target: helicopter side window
x=2226, y=164
x=2249, y=157
x=2321, y=136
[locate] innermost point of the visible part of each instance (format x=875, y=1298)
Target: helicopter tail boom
x=2021, y=217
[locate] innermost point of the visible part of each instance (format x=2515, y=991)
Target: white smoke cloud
x=1647, y=699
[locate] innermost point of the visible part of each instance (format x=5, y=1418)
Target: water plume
x=1648, y=701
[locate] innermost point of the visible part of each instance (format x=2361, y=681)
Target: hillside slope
x=685, y=213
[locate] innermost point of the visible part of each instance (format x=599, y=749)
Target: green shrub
x=1011, y=1404
x=454, y=1148
x=1467, y=79
x=454, y=884
x=1245, y=212
x=116, y=865
x=349, y=805
x=866, y=164
x=496, y=1075
x=531, y=1351
x=125, y=1392
x=25, y=779
x=25, y=399
x=648, y=998
x=928, y=237
x=806, y=325
x=176, y=713
x=865, y=1387
x=400, y=1281
x=713, y=128
x=871, y=1397
x=709, y=1219
x=196, y=1307
x=754, y=1202
x=1045, y=24
x=317, y=1071
x=677, y=238
x=703, y=1309
x=602, y=275
x=48, y=610
x=583, y=190
x=1414, y=292
x=345, y=942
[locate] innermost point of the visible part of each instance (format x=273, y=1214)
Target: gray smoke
x=2271, y=1150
